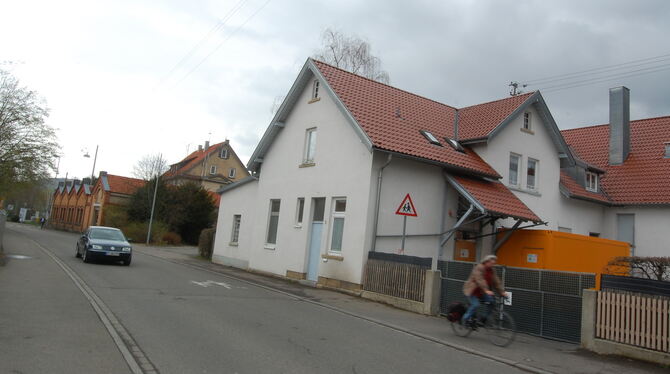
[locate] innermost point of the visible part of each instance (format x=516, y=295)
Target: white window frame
x=232, y=172
x=268, y=244
x=535, y=187
x=315, y=89
x=518, y=169
x=212, y=169
x=591, y=183
x=527, y=121
x=299, y=211
x=309, y=151
x=223, y=153
x=336, y=215
x=235, y=233
x=667, y=150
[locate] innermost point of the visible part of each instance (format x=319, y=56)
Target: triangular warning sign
x=406, y=208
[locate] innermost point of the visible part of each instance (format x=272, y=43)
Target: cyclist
x=478, y=288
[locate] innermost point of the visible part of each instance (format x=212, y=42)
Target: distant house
x=77, y=206
x=343, y=151
x=209, y=166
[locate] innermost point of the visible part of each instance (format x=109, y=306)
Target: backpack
x=455, y=311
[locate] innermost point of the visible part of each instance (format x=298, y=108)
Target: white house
x=343, y=151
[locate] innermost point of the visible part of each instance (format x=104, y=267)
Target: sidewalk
x=527, y=352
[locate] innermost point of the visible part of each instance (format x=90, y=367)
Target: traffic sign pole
x=404, y=230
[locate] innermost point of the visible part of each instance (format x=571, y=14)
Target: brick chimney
x=619, y=125
x=206, y=145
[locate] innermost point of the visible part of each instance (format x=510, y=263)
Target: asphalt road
x=186, y=320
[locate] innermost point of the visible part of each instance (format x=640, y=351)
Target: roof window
x=667, y=150
x=455, y=145
x=431, y=138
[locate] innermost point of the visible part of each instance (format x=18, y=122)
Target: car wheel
x=86, y=256
x=77, y=254
x=127, y=262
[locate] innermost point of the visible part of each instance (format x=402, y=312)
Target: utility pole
x=153, y=204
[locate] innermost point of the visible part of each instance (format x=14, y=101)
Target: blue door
x=314, y=250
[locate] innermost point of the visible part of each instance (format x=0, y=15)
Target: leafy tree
x=139, y=208
x=350, y=53
x=149, y=166
x=28, y=146
x=191, y=210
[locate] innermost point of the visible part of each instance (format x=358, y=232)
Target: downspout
x=378, y=202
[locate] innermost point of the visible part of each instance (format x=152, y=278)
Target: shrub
x=115, y=216
x=206, y=243
x=171, y=238
x=138, y=231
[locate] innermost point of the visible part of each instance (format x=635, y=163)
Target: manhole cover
x=19, y=257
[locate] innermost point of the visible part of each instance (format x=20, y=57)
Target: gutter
x=378, y=202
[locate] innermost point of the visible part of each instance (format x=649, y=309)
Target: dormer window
x=223, y=153
x=591, y=181
x=430, y=137
x=527, y=125
x=315, y=89
x=455, y=145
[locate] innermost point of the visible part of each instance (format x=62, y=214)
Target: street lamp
x=94, y=160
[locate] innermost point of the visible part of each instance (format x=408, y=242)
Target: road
x=185, y=320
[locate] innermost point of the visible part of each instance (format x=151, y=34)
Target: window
x=315, y=89
x=300, y=207
x=667, y=150
x=455, y=145
x=431, y=138
x=212, y=169
x=235, y=235
x=526, y=121
x=223, y=153
x=626, y=228
x=337, y=220
x=310, y=146
x=273, y=222
x=591, y=181
x=531, y=174
x=231, y=173
x=514, y=165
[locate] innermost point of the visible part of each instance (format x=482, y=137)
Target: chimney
x=199, y=147
x=206, y=145
x=456, y=125
x=619, y=125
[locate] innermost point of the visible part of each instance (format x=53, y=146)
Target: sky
x=139, y=77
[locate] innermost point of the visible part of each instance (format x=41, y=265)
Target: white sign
x=508, y=299
x=531, y=258
x=22, y=214
x=465, y=253
x=210, y=283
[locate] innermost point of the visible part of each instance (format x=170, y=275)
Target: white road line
x=119, y=334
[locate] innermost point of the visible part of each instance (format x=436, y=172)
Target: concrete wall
x=242, y=201
x=651, y=223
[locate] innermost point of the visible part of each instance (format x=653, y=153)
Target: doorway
x=316, y=229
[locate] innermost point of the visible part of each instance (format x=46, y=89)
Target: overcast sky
x=118, y=74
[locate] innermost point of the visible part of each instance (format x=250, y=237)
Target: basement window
x=430, y=137
x=455, y=145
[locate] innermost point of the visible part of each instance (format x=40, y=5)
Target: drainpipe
x=379, y=196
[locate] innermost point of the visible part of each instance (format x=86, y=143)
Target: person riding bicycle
x=478, y=288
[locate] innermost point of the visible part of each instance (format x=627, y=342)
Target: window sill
x=306, y=165
x=530, y=192
x=297, y=226
x=270, y=246
x=232, y=244
x=314, y=100
x=527, y=131
x=336, y=257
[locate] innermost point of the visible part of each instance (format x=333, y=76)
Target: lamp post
x=95, y=158
x=153, y=203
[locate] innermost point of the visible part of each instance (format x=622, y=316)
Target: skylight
x=667, y=150
x=454, y=144
x=431, y=138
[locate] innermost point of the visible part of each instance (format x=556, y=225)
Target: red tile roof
x=644, y=177
x=392, y=119
x=479, y=120
x=496, y=198
x=576, y=190
x=123, y=185
x=192, y=160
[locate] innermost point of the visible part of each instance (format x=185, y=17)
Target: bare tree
x=28, y=146
x=657, y=268
x=149, y=166
x=350, y=53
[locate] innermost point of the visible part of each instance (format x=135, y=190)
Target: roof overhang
x=234, y=185
x=447, y=166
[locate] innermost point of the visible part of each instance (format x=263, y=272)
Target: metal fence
x=396, y=275
x=544, y=302
x=642, y=285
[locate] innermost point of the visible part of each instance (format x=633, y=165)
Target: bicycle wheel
x=460, y=329
x=501, y=329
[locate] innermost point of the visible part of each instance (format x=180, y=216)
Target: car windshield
x=107, y=234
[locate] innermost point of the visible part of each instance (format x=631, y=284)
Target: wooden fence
x=634, y=319
x=406, y=281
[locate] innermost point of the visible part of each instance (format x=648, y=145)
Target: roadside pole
x=153, y=203
x=405, y=209
x=404, y=231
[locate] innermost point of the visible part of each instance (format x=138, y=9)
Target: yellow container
x=554, y=250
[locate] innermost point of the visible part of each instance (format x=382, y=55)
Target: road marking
x=138, y=362
x=209, y=283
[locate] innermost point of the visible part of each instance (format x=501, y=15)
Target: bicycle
x=499, y=325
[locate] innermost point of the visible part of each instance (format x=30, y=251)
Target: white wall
x=651, y=228
x=240, y=201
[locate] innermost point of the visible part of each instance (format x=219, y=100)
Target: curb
x=515, y=364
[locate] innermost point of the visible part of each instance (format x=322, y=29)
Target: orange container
x=554, y=250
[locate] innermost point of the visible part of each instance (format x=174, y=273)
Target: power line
x=602, y=79
x=219, y=25
x=223, y=41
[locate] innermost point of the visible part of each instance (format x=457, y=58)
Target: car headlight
x=125, y=249
x=95, y=246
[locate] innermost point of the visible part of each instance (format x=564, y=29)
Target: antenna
x=514, y=90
